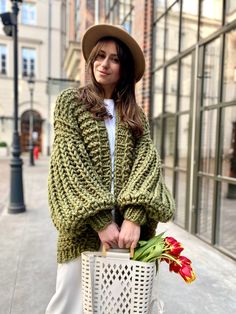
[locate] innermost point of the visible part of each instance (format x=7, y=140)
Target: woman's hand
x=129, y=235
x=109, y=236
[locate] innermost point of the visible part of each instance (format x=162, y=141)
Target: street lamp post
x=16, y=204
x=31, y=122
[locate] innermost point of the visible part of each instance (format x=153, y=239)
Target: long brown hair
x=124, y=94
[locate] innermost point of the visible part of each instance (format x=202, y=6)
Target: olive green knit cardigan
x=80, y=178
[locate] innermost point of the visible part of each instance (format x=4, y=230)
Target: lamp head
x=8, y=20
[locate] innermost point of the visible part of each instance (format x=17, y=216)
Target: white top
x=111, y=130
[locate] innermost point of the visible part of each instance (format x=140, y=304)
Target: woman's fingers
x=109, y=235
x=129, y=235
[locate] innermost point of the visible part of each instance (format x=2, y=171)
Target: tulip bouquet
x=165, y=249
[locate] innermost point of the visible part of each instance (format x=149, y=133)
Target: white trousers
x=68, y=296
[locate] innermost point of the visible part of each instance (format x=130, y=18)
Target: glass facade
x=194, y=113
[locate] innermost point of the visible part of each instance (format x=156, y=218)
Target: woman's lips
x=102, y=73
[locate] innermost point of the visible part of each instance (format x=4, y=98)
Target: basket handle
x=118, y=252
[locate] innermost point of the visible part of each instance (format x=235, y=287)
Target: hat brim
x=96, y=32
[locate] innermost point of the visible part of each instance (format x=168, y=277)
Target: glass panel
x=169, y=178
x=208, y=142
x=159, y=42
x=180, y=198
x=230, y=10
x=171, y=88
x=205, y=207
x=3, y=6
x=28, y=61
x=169, y=140
x=157, y=133
x=185, y=83
x=211, y=73
x=211, y=16
x=229, y=142
x=159, y=8
x=228, y=217
x=182, y=145
x=229, y=88
x=172, y=32
x=158, y=93
x=3, y=59
x=189, y=24
x=29, y=13
x=170, y=2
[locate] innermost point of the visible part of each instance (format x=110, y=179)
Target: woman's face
x=106, y=67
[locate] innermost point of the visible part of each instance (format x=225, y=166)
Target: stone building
x=41, y=46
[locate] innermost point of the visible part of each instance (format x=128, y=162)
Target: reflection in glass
x=169, y=141
x=182, y=144
x=158, y=93
x=185, y=83
x=211, y=16
x=229, y=90
x=168, y=174
x=208, y=141
x=229, y=142
x=211, y=73
x=157, y=133
x=170, y=2
x=126, y=14
x=180, y=198
x=227, y=218
x=230, y=10
x=205, y=208
x=159, y=31
x=172, y=32
x=189, y=23
x=171, y=88
x=159, y=8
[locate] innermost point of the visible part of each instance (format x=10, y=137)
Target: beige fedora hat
x=96, y=32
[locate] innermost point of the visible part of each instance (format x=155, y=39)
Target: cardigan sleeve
x=145, y=196
x=76, y=193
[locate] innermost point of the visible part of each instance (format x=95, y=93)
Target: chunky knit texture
x=80, y=178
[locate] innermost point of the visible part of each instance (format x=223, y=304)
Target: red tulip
x=173, y=246
x=183, y=267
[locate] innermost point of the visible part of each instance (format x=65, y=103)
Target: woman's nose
x=105, y=62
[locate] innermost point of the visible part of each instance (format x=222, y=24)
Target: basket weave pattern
x=116, y=285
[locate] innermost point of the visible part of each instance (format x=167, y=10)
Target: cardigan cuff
x=100, y=220
x=136, y=214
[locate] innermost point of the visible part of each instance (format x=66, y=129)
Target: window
x=3, y=6
x=28, y=62
x=28, y=13
x=3, y=59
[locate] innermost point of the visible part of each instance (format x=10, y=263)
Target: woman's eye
x=115, y=60
x=100, y=56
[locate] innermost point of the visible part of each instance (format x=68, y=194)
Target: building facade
x=189, y=92
x=41, y=49
x=193, y=113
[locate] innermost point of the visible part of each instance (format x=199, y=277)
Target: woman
x=105, y=181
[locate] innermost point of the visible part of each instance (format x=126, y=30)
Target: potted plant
x=3, y=149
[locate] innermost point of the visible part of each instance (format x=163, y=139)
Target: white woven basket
x=115, y=284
